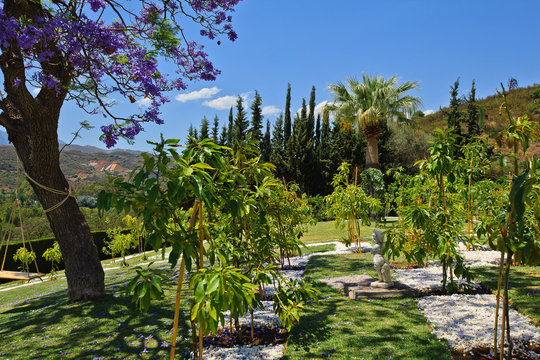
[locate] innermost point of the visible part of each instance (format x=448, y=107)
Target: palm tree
x=370, y=103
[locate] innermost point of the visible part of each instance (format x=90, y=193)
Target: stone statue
x=380, y=263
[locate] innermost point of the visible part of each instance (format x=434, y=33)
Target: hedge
x=40, y=245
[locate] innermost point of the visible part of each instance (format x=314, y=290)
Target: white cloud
x=144, y=102
x=318, y=108
x=226, y=102
x=270, y=110
x=221, y=103
x=204, y=93
x=429, y=112
x=36, y=91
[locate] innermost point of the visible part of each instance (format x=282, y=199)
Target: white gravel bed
x=244, y=352
x=261, y=318
x=478, y=258
x=466, y=321
x=428, y=278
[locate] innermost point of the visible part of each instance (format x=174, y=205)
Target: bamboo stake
x=201, y=264
x=179, y=286
x=498, y=297
x=506, y=316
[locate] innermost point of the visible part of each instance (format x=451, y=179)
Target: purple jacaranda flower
x=95, y=5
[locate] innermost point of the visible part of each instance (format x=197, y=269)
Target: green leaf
x=213, y=284
x=213, y=313
x=141, y=290
x=194, y=311
x=199, y=292
x=172, y=189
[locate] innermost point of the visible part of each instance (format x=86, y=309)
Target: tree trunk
x=85, y=276
x=372, y=151
x=372, y=161
x=32, y=125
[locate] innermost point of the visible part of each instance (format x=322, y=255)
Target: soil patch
x=521, y=351
x=480, y=288
x=261, y=336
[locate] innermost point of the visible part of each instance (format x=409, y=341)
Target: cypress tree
x=473, y=115
x=277, y=155
x=317, y=134
x=287, y=123
x=241, y=123
x=224, y=136
x=256, y=119
x=326, y=167
x=230, y=130
x=266, y=146
x=453, y=115
x=191, y=135
x=311, y=115
x=215, y=129
x=293, y=152
x=204, y=129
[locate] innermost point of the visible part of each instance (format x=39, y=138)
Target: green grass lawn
x=326, y=231
x=369, y=329
x=38, y=322
x=318, y=248
x=523, y=290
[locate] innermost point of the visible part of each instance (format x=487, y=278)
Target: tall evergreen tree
x=293, y=152
x=266, y=146
x=241, y=123
x=287, y=122
x=204, y=129
x=256, y=119
x=474, y=120
x=311, y=115
x=192, y=136
x=302, y=150
x=230, y=130
x=326, y=166
x=317, y=134
x=223, y=136
x=277, y=155
x=454, y=116
x=215, y=129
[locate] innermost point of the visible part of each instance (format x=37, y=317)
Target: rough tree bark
x=372, y=151
x=32, y=125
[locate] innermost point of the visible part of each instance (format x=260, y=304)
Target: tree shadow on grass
x=49, y=327
x=524, y=287
x=336, y=327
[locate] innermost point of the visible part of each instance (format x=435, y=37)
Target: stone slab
x=367, y=292
x=344, y=283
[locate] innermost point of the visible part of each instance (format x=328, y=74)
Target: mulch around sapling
x=477, y=289
x=521, y=351
x=292, y=267
x=261, y=336
x=404, y=266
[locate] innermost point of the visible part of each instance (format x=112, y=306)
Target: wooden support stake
x=180, y=282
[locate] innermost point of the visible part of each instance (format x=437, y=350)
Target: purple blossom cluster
x=101, y=58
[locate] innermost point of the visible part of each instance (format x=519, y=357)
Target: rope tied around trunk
x=69, y=193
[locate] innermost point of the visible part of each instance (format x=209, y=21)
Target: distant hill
x=81, y=168
x=3, y=138
x=518, y=99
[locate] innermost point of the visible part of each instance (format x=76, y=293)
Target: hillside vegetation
x=81, y=169
x=519, y=99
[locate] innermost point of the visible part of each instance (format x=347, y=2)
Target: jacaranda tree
x=88, y=51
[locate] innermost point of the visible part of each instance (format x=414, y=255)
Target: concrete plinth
x=373, y=292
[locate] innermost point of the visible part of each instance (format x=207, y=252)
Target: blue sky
x=312, y=42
